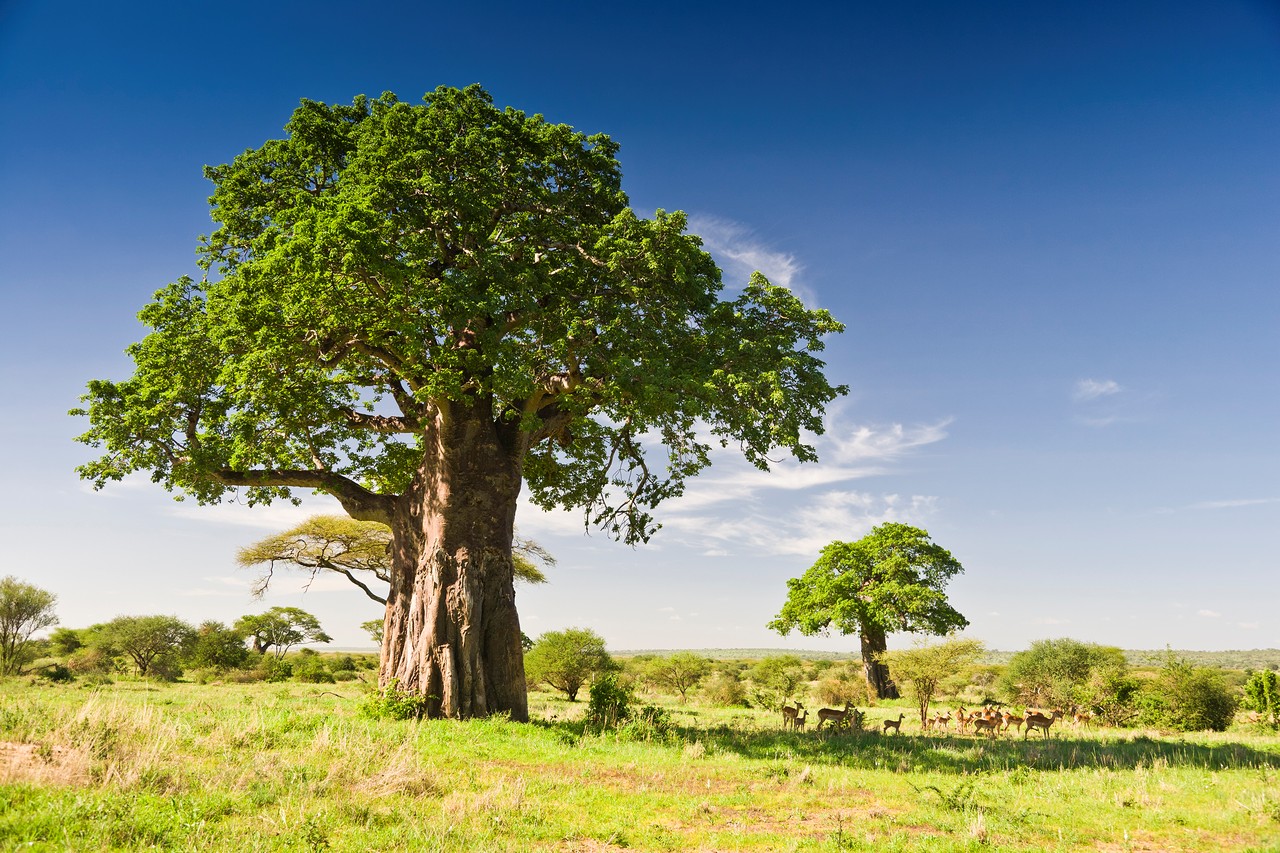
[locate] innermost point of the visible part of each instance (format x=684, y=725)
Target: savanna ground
x=298, y=767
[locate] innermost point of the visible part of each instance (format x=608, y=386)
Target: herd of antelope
x=986, y=720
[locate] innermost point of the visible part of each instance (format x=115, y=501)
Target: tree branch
x=360, y=503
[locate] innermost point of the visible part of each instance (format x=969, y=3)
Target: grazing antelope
x=1039, y=721
x=790, y=714
x=991, y=725
x=1080, y=715
x=896, y=725
x=836, y=718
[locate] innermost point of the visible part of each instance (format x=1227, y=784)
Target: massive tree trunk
x=451, y=632
x=874, y=642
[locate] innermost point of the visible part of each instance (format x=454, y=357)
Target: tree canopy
x=568, y=659
x=24, y=610
x=281, y=628
x=424, y=309
x=891, y=580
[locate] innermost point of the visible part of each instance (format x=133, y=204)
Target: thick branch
x=360, y=503
x=380, y=423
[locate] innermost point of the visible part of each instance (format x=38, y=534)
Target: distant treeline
x=1230, y=659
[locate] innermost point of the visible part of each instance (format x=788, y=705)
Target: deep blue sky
x=1053, y=231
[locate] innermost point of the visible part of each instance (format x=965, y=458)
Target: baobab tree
x=423, y=309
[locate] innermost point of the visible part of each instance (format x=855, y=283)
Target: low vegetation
x=122, y=762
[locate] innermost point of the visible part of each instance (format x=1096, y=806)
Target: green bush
x=725, y=688
x=610, y=703
x=274, y=670
x=345, y=675
x=55, y=673
x=1262, y=696
x=1187, y=698
x=650, y=723
x=311, y=669
x=394, y=704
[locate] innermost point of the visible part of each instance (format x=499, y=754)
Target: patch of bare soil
x=43, y=765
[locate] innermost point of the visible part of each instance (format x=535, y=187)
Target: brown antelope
x=1012, y=719
x=896, y=725
x=1041, y=722
x=836, y=718
x=1080, y=715
x=991, y=725
x=800, y=720
x=942, y=720
x=790, y=714
x=963, y=718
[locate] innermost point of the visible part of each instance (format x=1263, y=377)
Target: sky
x=1051, y=229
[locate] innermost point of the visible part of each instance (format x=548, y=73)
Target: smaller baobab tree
x=891, y=580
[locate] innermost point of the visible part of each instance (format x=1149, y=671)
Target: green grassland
x=291, y=766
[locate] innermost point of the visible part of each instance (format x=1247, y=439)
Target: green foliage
x=924, y=668
x=274, y=669
x=55, y=673
x=610, y=703
x=678, y=673
x=217, y=647
x=64, y=641
x=24, y=609
x=374, y=628
x=725, y=689
x=1187, y=698
x=892, y=579
x=1262, y=695
x=392, y=703
x=312, y=669
x=843, y=684
x=149, y=642
x=281, y=628
x=775, y=680
x=566, y=660
x=1062, y=672
x=468, y=253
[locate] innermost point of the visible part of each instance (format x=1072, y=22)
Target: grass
x=297, y=767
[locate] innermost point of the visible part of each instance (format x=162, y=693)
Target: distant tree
x=217, y=647
x=892, y=579
x=145, y=640
x=924, y=668
x=1187, y=698
x=24, y=609
x=679, y=673
x=65, y=641
x=374, y=628
x=566, y=660
x=774, y=680
x=1262, y=695
x=1059, y=672
x=281, y=628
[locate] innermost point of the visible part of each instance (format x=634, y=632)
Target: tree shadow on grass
x=960, y=754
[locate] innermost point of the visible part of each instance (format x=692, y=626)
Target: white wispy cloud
x=1092, y=389
x=1208, y=614
x=1232, y=504
x=740, y=251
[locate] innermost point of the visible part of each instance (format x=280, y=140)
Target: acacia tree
x=924, y=667
x=892, y=579
x=680, y=672
x=24, y=609
x=281, y=628
x=143, y=639
x=420, y=308
x=346, y=546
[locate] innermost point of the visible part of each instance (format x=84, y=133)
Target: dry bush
x=845, y=684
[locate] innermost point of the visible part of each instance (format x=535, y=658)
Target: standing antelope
x=989, y=724
x=1039, y=721
x=896, y=725
x=963, y=718
x=789, y=715
x=831, y=715
x=1080, y=715
x=1012, y=719
x=800, y=720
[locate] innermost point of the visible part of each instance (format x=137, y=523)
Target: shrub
x=1262, y=696
x=55, y=673
x=274, y=669
x=1058, y=672
x=610, y=702
x=1187, y=698
x=90, y=661
x=345, y=675
x=393, y=703
x=650, y=723
x=311, y=669
x=725, y=688
x=845, y=684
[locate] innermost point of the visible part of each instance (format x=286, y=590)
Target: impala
x=789, y=715
x=896, y=725
x=831, y=715
x=1039, y=721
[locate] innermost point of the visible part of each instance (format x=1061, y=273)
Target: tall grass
x=295, y=767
